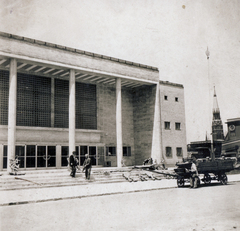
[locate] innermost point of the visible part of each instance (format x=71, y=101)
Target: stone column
x=12, y=111
x=119, y=122
x=156, y=152
x=72, y=90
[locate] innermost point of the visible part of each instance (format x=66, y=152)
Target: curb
x=80, y=197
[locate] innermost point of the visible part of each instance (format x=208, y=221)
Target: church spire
x=216, y=110
x=217, y=126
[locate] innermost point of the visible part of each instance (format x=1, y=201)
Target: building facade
x=55, y=100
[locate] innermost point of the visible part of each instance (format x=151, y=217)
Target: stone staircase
x=61, y=177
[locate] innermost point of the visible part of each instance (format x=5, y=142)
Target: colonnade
x=12, y=112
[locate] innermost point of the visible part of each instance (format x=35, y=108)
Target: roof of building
x=233, y=120
x=52, y=45
x=171, y=84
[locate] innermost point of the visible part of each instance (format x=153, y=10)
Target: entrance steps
x=61, y=177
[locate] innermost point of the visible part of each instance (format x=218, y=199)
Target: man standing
x=87, y=165
x=73, y=163
x=194, y=175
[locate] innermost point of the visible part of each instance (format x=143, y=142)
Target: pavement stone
x=35, y=195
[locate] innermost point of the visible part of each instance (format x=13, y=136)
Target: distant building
x=203, y=148
x=55, y=100
x=231, y=144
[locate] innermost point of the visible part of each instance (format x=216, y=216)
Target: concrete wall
x=143, y=115
x=107, y=120
x=172, y=111
x=72, y=58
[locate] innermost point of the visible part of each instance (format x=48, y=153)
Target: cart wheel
x=180, y=182
x=207, y=179
x=223, y=179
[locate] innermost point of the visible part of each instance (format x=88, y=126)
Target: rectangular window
x=165, y=97
x=126, y=151
x=168, y=152
x=33, y=101
x=176, y=99
x=5, y=147
x=64, y=156
x=110, y=151
x=179, y=152
x=177, y=126
x=4, y=94
x=167, y=125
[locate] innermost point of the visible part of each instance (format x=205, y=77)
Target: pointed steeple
x=217, y=126
x=216, y=110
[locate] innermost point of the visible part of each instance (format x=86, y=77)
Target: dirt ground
x=215, y=207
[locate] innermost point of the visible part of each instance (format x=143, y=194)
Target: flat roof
x=52, y=45
x=233, y=120
x=171, y=84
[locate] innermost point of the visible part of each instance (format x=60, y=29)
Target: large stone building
x=55, y=99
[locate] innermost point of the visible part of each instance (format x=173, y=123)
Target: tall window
x=86, y=106
x=4, y=94
x=165, y=97
x=177, y=126
x=33, y=101
x=167, y=125
x=168, y=152
x=179, y=152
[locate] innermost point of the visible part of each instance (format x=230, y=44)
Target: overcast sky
x=172, y=35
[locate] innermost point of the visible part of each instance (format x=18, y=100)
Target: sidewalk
x=25, y=196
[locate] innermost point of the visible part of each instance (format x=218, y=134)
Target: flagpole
x=209, y=86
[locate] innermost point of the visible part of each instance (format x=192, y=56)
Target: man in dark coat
x=87, y=165
x=73, y=163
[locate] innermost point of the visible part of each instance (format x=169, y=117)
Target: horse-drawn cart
x=208, y=170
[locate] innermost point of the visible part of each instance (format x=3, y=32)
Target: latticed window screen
x=86, y=106
x=4, y=94
x=33, y=101
x=61, y=102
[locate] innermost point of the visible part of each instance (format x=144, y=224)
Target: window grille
x=61, y=102
x=33, y=101
x=86, y=106
x=4, y=95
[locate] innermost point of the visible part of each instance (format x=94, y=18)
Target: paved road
x=215, y=207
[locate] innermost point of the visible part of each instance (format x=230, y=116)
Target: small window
x=110, y=151
x=178, y=126
x=165, y=97
x=167, y=125
x=126, y=151
x=168, y=152
x=179, y=152
x=176, y=99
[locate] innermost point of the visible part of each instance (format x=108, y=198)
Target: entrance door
x=46, y=156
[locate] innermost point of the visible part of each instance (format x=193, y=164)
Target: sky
x=172, y=35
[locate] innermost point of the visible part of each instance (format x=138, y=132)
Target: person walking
x=73, y=163
x=87, y=165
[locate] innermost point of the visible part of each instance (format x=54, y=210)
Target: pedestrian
x=194, y=174
x=73, y=163
x=87, y=165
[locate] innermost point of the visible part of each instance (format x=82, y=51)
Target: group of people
x=87, y=165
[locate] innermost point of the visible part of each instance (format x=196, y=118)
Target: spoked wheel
x=180, y=182
x=207, y=179
x=223, y=179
